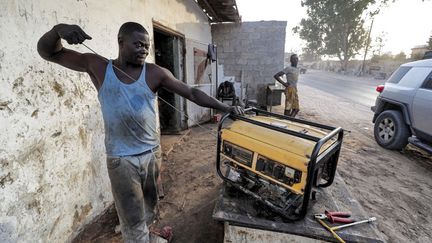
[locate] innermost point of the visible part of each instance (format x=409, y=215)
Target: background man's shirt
x=292, y=74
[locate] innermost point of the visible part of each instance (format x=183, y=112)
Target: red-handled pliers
x=336, y=217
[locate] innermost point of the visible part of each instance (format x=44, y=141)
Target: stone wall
x=254, y=48
x=53, y=177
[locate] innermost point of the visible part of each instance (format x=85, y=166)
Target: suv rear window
x=428, y=83
x=398, y=75
x=415, y=77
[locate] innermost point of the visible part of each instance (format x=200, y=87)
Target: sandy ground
x=395, y=187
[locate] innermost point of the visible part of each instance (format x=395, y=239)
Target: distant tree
x=389, y=57
x=309, y=55
x=336, y=28
x=379, y=43
x=375, y=58
x=430, y=42
x=386, y=56
x=383, y=57
x=417, y=56
x=400, y=57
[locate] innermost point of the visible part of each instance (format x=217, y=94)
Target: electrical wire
x=166, y=102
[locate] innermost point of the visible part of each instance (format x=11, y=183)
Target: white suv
x=403, y=109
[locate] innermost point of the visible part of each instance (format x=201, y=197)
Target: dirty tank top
x=292, y=74
x=129, y=114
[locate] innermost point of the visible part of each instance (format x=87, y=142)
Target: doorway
x=169, y=53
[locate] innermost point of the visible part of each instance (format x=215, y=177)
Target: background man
x=127, y=91
x=226, y=91
x=292, y=106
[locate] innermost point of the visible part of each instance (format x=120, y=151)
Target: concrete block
x=8, y=232
x=258, y=50
x=255, y=35
x=252, y=62
x=229, y=48
x=242, y=61
x=229, y=62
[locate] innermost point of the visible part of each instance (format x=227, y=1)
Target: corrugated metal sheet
x=220, y=10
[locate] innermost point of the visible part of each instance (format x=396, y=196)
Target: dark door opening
x=169, y=54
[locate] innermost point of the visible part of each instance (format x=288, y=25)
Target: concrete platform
x=250, y=235
x=236, y=209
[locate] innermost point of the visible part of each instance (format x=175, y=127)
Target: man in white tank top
x=131, y=142
x=291, y=73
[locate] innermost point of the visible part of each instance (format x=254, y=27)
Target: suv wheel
x=390, y=130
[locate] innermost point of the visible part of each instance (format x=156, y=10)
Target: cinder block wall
x=53, y=176
x=256, y=48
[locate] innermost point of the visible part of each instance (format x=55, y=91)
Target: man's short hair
x=129, y=27
x=293, y=55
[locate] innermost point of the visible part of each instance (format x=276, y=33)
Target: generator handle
x=314, y=124
x=268, y=126
x=322, y=141
x=313, y=162
x=249, y=109
x=218, y=146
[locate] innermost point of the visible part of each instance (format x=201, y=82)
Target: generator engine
x=277, y=159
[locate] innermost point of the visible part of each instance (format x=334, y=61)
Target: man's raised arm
x=50, y=48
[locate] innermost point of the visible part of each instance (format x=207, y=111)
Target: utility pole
x=367, y=47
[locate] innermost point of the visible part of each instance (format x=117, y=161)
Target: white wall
x=196, y=113
x=53, y=177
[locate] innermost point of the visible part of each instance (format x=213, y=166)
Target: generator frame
x=316, y=161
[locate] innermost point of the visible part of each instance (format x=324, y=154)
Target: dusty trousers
x=134, y=188
x=291, y=98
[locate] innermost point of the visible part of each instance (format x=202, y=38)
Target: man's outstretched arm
x=195, y=95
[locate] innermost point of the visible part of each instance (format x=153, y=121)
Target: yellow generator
x=277, y=159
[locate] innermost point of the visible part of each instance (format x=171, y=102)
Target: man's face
x=294, y=60
x=135, y=48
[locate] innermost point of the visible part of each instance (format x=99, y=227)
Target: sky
x=403, y=24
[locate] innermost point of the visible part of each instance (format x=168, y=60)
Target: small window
x=415, y=77
x=398, y=75
x=428, y=82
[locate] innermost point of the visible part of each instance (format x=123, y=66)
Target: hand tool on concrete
x=333, y=229
x=330, y=229
x=354, y=223
x=336, y=217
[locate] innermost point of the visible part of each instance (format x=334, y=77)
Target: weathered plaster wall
x=187, y=18
x=196, y=113
x=53, y=177
x=254, y=48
